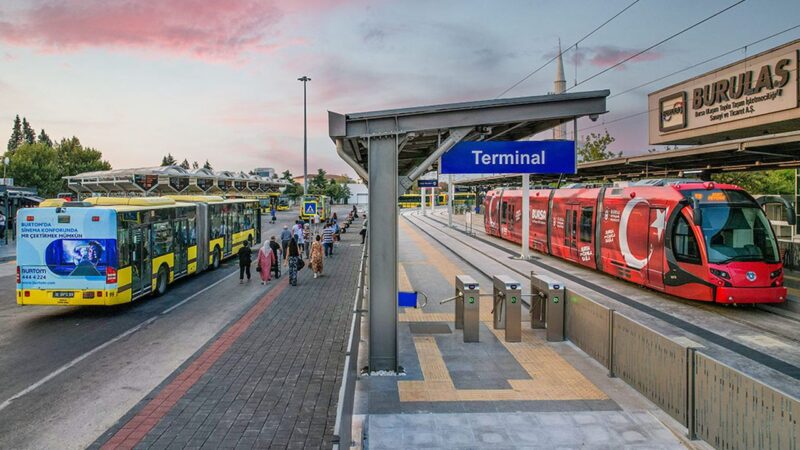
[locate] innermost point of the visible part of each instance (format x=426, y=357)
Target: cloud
x=212, y=30
x=607, y=55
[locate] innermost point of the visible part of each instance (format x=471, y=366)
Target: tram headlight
x=720, y=273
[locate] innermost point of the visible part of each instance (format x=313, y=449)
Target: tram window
x=684, y=242
x=586, y=224
x=568, y=228
x=504, y=213
x=162, y=238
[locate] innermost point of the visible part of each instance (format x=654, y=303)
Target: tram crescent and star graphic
x=659, y=224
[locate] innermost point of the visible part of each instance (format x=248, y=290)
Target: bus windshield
x=738, y=233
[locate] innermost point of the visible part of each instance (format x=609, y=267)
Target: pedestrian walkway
x=8, y=252
x=269, y=379
x=494, y=394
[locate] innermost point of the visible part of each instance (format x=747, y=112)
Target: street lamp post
x=5, y=199
x=305, y=80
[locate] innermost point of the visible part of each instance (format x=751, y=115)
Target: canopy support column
x=382, y=235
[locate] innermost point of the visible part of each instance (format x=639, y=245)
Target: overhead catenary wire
x=560, y=53
x=666, y=39
x=745, y=46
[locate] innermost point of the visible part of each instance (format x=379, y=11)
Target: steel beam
x=456, y=135
x=382, y=254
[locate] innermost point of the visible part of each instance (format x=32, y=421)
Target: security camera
x=593, y=117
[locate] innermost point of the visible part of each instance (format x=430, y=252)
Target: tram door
x=140, y=259
x=571, y=231
x=181, y=238
x=655, y=247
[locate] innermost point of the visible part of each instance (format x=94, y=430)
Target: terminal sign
x=542, y=157
x=427, y=183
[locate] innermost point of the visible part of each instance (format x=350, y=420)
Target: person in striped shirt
x=327, y=239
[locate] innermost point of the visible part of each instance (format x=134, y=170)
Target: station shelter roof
x=774, y=151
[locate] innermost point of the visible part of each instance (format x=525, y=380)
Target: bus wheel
x=161, y=281
x=215, y=259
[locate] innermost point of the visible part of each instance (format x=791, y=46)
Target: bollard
x=468, y=307
x=552, y=293
x=507, y=310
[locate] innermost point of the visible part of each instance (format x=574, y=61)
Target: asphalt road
x=70, y=372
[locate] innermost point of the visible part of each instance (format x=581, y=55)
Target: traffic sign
x=510, y=157
x=427, y=183
x=310, y=208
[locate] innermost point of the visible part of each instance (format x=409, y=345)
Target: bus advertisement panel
x=62, y=250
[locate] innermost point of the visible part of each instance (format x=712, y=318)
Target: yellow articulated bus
x=107, y=251
x=273, y=200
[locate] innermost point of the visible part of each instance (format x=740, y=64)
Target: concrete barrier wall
x=735, y=411
x=587, y=326
x=652, y=364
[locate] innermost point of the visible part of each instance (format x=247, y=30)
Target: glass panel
x=586, y=224
x=162, y=238
x=684, y=242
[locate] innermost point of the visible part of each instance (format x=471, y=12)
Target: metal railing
x=343, y=427
x=715, y=402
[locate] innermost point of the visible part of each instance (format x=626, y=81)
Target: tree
x=44, y=139
x=339, y=192
x=595, y=147
x=168, y=160
x=185, y=164
x=16, y=135
x=76, y=159
x=27, y=132
x=760, y=182
x=319, y=183
x=36, y=165
x=207, y=165
x=286, y=175
x=195, y=166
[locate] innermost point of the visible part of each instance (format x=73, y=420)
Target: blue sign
x=310, y=208
x=427, y=183
x=545, y=157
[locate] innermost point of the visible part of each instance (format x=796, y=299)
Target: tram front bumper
x=751, y=295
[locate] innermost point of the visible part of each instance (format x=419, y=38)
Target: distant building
x=359, y=194
x=265, y=172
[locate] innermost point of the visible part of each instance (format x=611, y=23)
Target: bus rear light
x=95, y=218
x=88, y=294
x=27, y=293
x=111, y=275
x=99, y=293
x=18, y=278
x=29, y=218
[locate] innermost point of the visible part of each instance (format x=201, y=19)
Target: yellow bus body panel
x=169, y=260
x=191, y=257
x=45, y=297
x=218, y=242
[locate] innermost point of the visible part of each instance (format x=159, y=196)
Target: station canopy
x=171, y=180
x=774, y=151
x=421, y=130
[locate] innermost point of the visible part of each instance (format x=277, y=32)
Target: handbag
x=258, y=267
x=300, y=263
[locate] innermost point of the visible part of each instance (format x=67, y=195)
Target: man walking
x=327, y=240
x=286, y=236
x=245, y=258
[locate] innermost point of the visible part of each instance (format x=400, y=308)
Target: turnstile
x=507, y=311
x=548, y=296
x=468, y=307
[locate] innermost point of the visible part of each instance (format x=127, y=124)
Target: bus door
x=655, y=247
x=571, y=231
x=180, y=233
x=140, y=259
x=227, y=219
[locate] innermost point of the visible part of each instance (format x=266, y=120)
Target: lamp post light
x=305, y=80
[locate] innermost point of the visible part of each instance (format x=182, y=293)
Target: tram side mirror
x=697, y=213
x=791, y=217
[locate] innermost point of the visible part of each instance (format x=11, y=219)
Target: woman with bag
x=295, y=261
x=266, y=258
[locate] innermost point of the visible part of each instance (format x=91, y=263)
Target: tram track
x=758, y=356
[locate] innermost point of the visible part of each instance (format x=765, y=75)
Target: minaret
x=559, y=86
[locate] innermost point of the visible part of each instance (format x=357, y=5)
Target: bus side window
x=684, y=242
x=192, y=233
x=586, y=224
x=162, y=238
x=124, y=247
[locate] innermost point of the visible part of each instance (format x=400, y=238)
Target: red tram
x=692, y=239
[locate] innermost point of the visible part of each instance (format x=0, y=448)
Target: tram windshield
x=738, y=233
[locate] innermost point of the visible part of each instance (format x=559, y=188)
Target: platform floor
x=270, y=379
x=493, y=394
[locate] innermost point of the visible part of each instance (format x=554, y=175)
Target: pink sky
x=217, y=79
